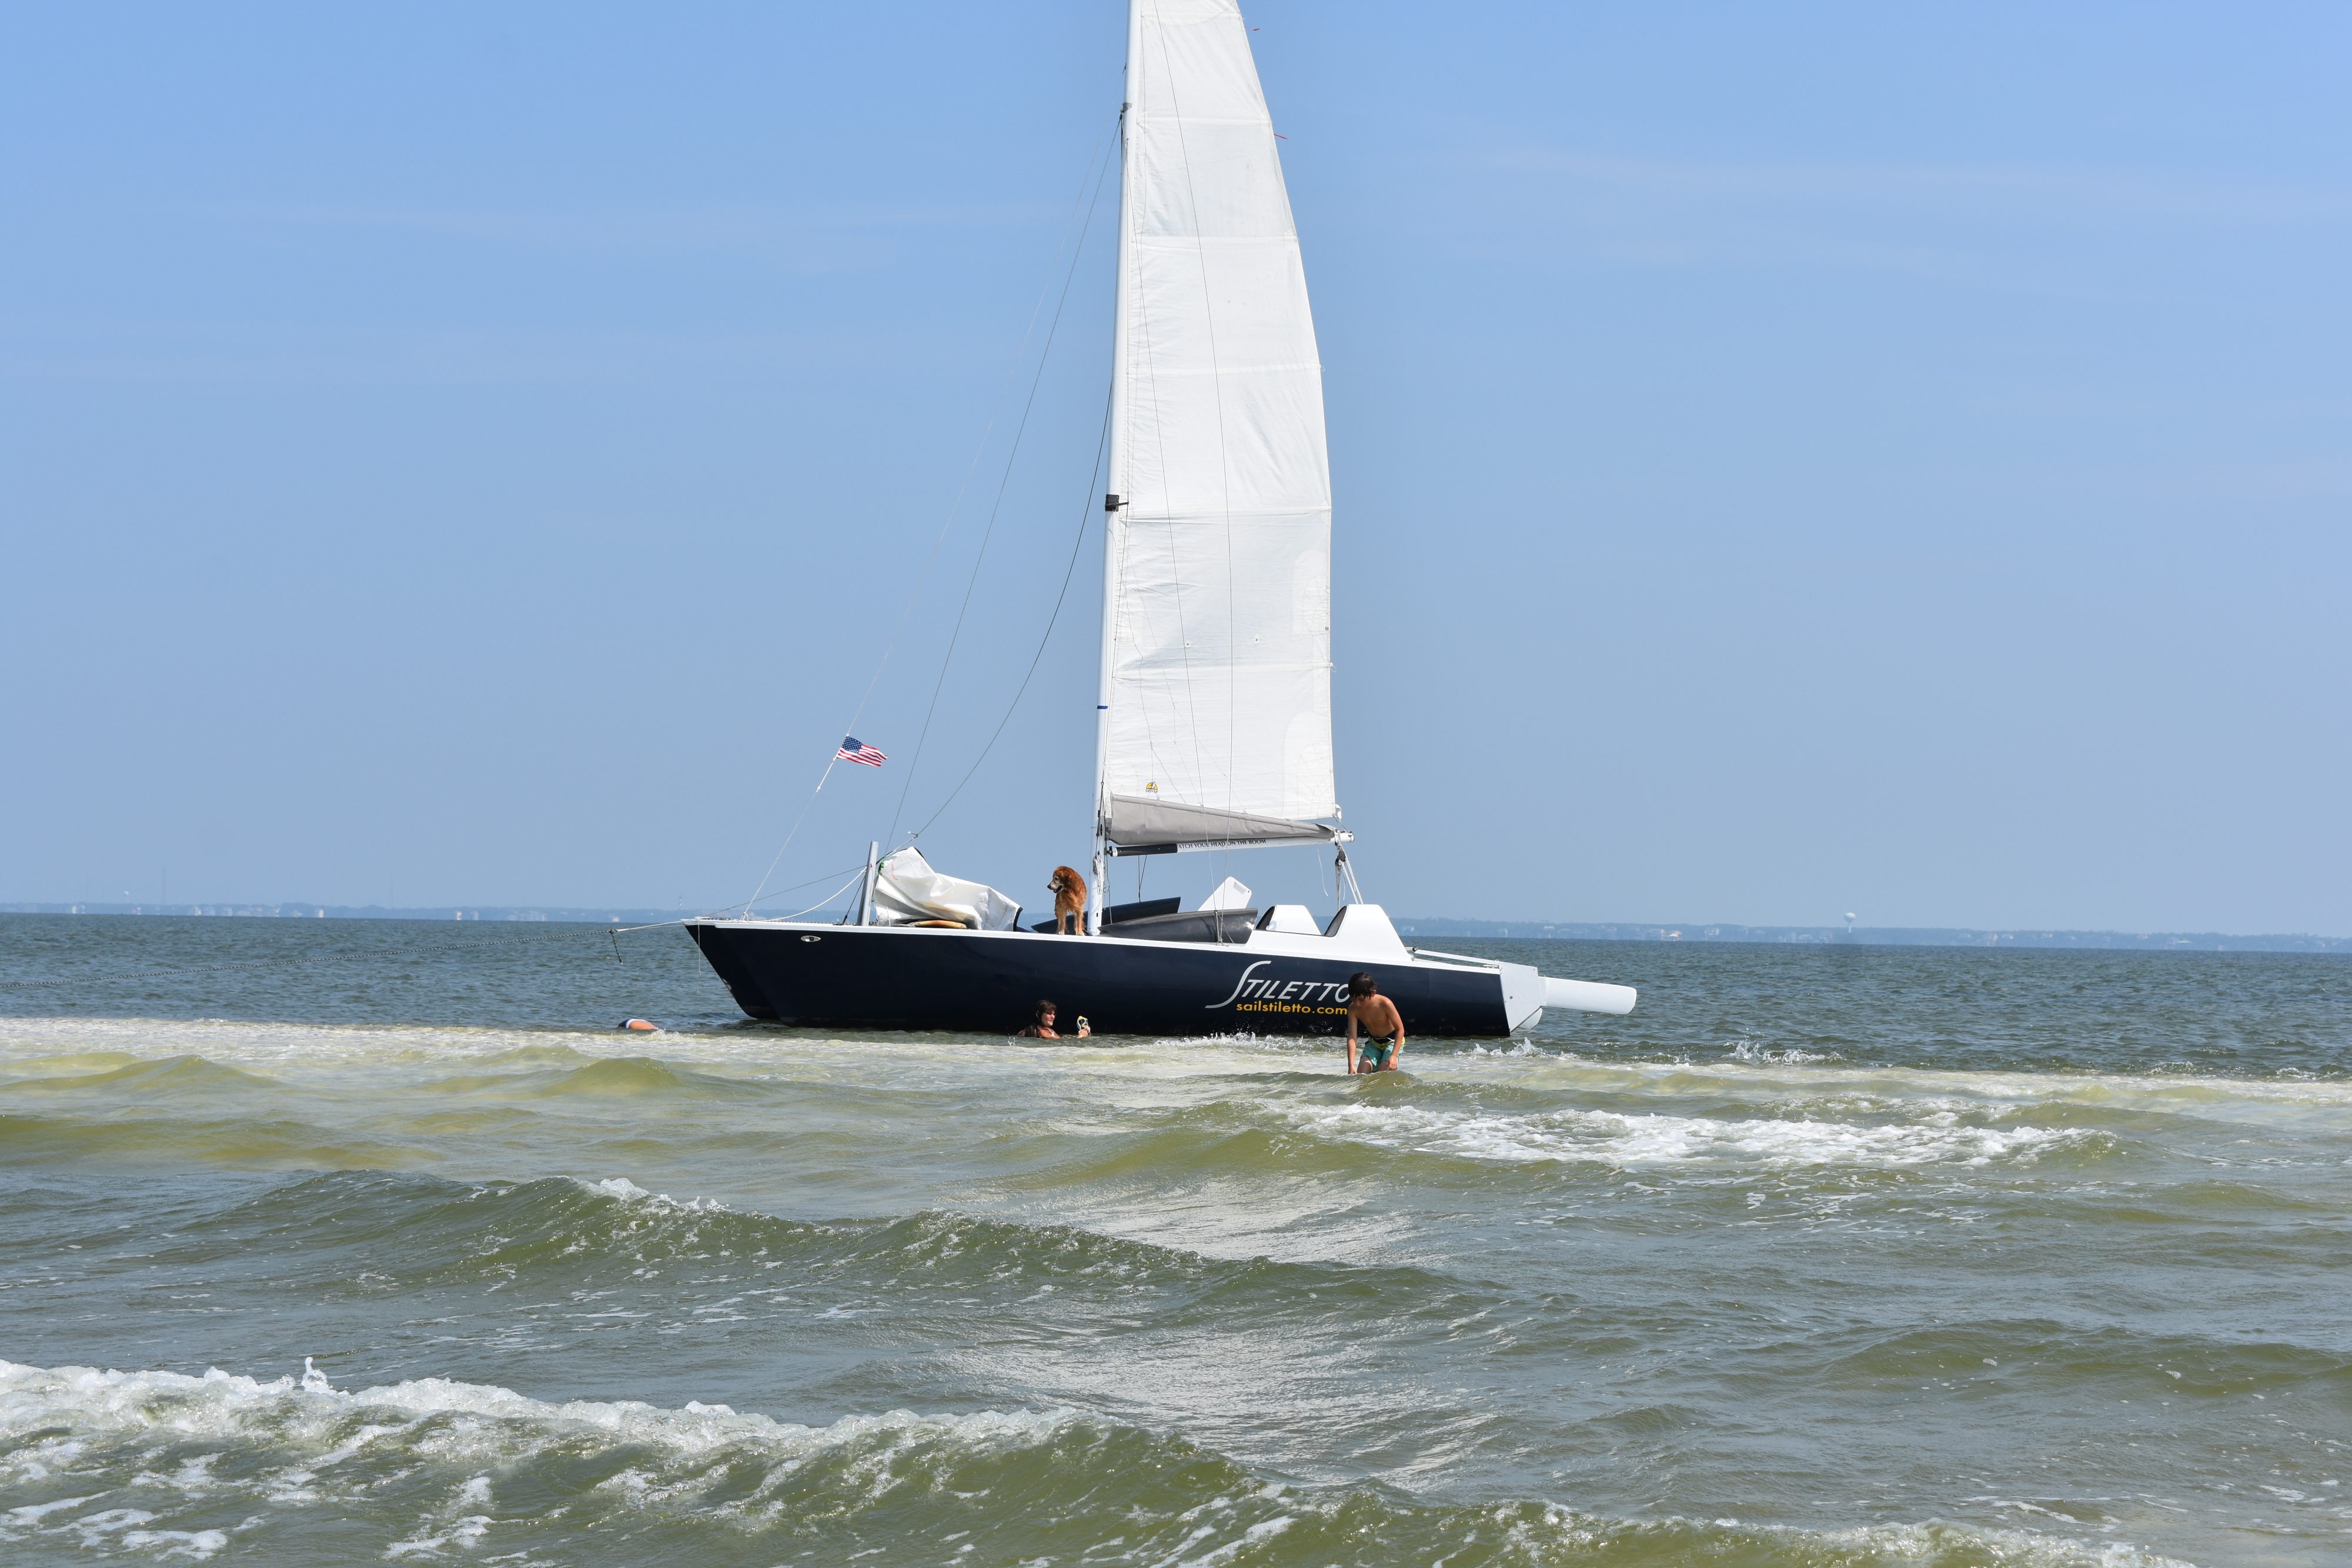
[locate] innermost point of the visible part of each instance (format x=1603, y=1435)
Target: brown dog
x=1069, y=890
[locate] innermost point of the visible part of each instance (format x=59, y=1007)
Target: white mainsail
x=1216, y=690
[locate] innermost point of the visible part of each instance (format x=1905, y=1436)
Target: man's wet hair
x=1037, y=1014
x=1361, y=984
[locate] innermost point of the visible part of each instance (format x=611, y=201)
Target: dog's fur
x=1069, y=890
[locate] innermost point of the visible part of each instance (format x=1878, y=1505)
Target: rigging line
x=946, y=661
x=1086, y=509
x=821, y=876
x=828, y=898
x=758, y=893
x=720, y=913
x=996, y=412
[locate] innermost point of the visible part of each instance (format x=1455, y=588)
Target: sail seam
x=1224, y=450
x=1160, y=445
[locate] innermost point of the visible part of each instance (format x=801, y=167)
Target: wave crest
x=431, y=1464
x=1658, y=1138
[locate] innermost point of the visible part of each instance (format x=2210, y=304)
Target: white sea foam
x=1748, y=1050
x=462, y=1530
x=340, y=1057
x=470, y=1430
x=310, y=1414
x=629, y=1192
x=103, y=1528
x=314, y=1421
x=84, y=1418
x=1617, y=1138
x=167, y=1544
x=1901, y=1543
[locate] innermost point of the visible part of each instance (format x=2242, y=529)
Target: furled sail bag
x=907, y=892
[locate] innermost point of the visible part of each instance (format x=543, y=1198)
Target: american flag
x=856, y=750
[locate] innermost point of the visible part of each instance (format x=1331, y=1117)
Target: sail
x=1217, y=646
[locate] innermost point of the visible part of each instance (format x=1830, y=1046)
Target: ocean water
x=353, y=1241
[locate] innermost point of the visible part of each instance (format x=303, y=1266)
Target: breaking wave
x=1658, y=1138
x=168, y=1466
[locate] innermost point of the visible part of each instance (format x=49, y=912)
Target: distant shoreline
x=1873, y=935
x=1437, y=926
x=596, y=914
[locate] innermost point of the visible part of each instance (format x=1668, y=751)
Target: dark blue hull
x=986, y=982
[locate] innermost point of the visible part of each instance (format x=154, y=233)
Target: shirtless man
x=1041, y=1026
x=1383, y=1026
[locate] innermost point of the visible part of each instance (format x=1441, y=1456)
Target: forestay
x=1217, y=656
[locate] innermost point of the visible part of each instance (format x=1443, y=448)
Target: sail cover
x=1218, y=647
x=907, y=892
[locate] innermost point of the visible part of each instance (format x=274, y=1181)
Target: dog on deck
x=1069, y=890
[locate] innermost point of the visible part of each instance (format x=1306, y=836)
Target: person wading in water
x=1041, y=1026
x=1383, y=1026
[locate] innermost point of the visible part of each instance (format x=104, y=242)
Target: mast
x=1116, y=489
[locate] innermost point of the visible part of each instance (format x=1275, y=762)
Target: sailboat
x=1213, y=716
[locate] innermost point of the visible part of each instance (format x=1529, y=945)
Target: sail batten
x=1216, y=689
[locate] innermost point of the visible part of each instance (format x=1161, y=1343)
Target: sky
x=1787, y=461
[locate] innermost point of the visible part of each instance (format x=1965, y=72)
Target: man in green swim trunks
x=1383, y=1026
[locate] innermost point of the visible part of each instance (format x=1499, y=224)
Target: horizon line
x=1476, y=927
